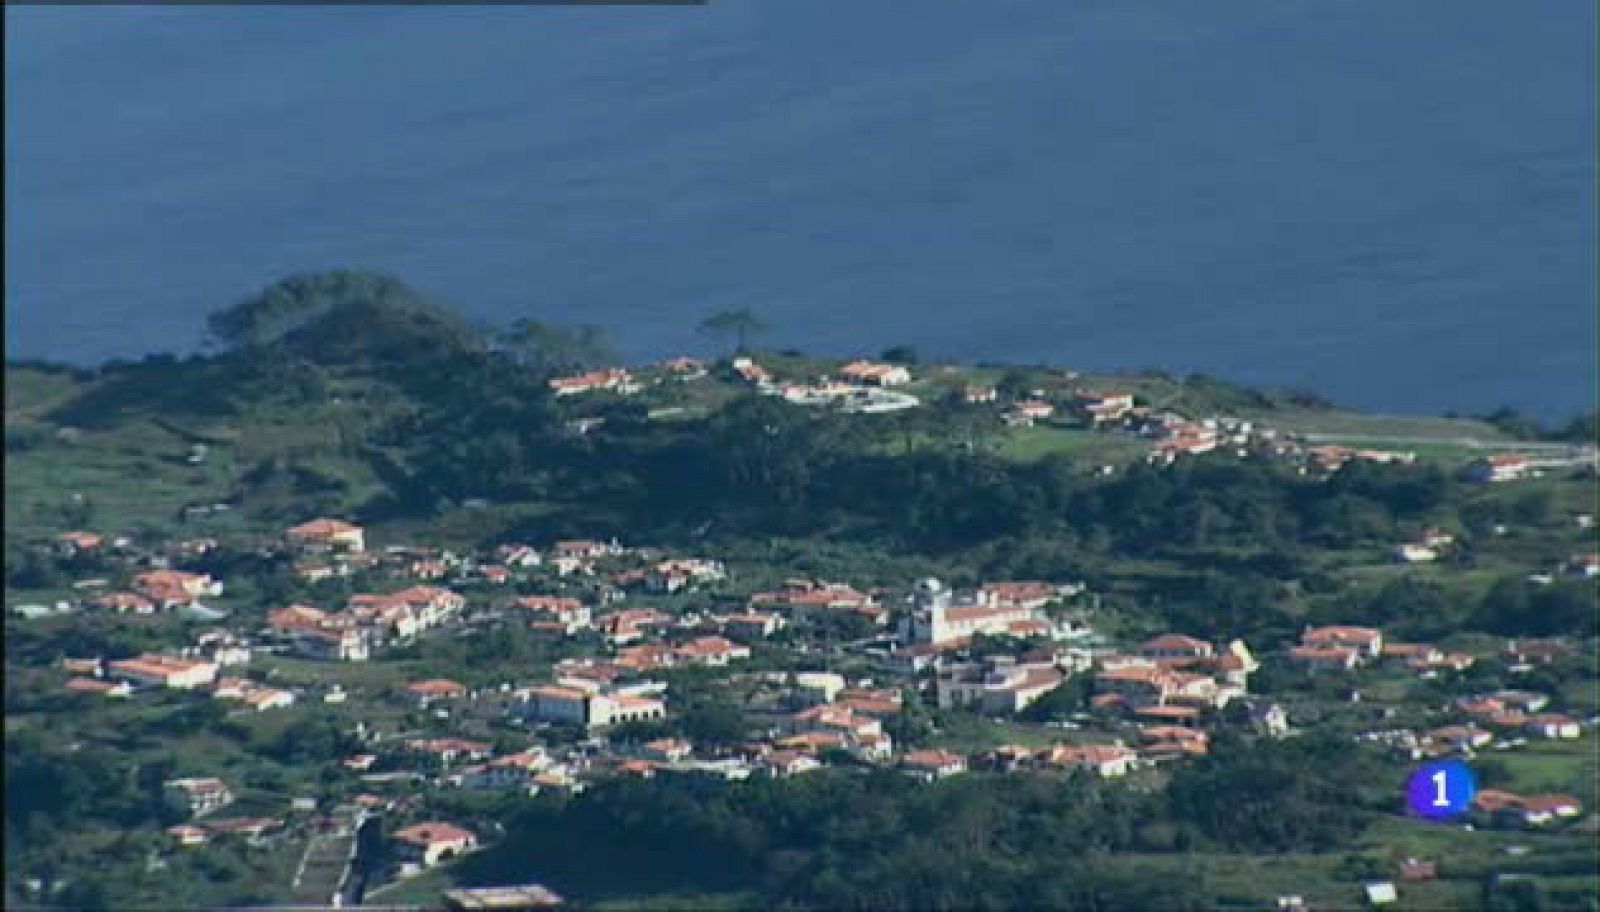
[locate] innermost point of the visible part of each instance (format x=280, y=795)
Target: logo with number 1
x=1440, y=791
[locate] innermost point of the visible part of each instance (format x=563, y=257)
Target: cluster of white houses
x=368, y=621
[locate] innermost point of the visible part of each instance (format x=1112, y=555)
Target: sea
x=1389, y=203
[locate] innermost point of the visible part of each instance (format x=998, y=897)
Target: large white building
x=941, y=616
x=577, y=702
x=1001, y=686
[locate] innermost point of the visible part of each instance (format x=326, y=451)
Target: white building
x=939, y=616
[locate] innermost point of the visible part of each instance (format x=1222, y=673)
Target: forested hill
x=349, y=393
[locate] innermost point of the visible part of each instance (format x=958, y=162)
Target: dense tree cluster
x=876, y=839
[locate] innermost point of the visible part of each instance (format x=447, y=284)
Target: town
x=543, y=666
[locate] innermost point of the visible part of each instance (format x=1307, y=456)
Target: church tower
x=931, y=601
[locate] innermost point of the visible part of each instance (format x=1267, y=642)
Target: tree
x=551, y=348
x=740, y=323
x=714, y=721
x=900, y=354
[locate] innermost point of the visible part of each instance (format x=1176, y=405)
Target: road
x=1576, y=452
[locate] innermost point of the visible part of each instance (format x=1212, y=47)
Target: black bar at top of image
x=354, y=3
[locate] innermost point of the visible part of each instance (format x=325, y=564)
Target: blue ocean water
x=1391, y=203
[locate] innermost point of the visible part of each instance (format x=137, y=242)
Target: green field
x=1033, y=443
x=1569, y=767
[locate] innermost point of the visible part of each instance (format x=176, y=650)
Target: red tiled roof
x=933, y=759
x=433, y=833
x=436, y=687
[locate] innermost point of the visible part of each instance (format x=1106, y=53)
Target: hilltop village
x=398, y=679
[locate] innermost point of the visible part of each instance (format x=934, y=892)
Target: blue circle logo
x=1440, y=791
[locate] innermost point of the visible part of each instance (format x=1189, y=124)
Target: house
x=752, y=625
x=645, y=657
x=576, y=705
x=1452, y=739
x=1490, y=711
x=155, y=670
x=1105, y=760
x=673, y=575
x=1319, y=659
x=70, y=544
x=615, y=379
x=930, y=765
x=344, y=644
x=1030, y=595
x=628, y=625
x=1538, y=810
x=99, y=687
x=832, y=718
x=752, y=373
x=1031, y=410
x=1412, y=654
x=196, y=797
x=1497, y=468
x=867, y=373
x=186, y=835
x=881, y=703
x=1137, y=685
x=815, y=687
x=558, y=704
x=1174, y=646
x=804, y=598
x=1434, y=537
x=1173, y=716
x=90, y=667
x=586, y=549
x=411, y=610
x=1366, y=642
x=430, y=843
x=977, y=394
x=1233, y=666
x=1531, y=810
x=262, y=699
x=446, y=752
x=1495, y=801
x=1413, y=553
x=1554, y=725
x=568, y=614
x=173, y=588
x=711, y=651
x=1105, y=407
x=667, y=750
x=939, y=616
x=1536, y=651
x=511, y=771
x=1007, y=758
x=325, y=535
x=436, y=689
x=124, y=603
x=518, y=555
x=1525, y=700
x=1381, y=893
x=1001, y=686
x=784, y=763
x=1174, y=739
x=251, y=829
x=1585, y=566
x=316, y=634
x=685, y=368
x=1267, y=717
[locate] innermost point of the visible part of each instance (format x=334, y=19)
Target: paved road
x=1574, y=451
